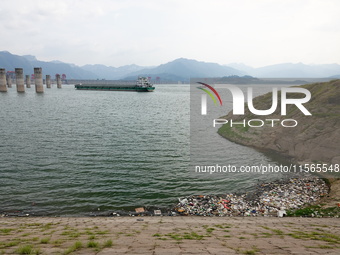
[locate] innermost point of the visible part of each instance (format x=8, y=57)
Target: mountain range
x=181, y=69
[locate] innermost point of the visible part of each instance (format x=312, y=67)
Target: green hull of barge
x=114, y=88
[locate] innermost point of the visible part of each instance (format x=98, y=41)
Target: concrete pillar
x=48, y=81
x=58, y=81
x=3, y=84
x=39, y=87
x=9, y=81
x=19, y=79
x=28, y=81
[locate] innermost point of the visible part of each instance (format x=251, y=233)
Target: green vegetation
x=210, y=230
x=233, y=132
x=222, y=225
x=315, y=211
x=57, y=242
x=6, y=231
x=76, y=246
x=326, y=237
x=92, y=244
x=108, y=243
x=27, y=249
x=73, y=233
x=249, y=252
x=45, y=240
x=9, y=244
x=181, y=236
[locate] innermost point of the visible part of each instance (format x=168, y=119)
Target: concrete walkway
x=170, y=235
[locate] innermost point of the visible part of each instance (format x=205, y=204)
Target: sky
x=153, y=32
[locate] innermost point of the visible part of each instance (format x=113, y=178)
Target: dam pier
x=6, y=79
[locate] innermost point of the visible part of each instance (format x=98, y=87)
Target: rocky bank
x=316, y=138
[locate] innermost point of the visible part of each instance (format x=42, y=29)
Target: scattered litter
x=139, y=210
x=157, y=212
x=281, y=213
x=268, y=199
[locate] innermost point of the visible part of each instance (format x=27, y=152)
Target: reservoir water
x=70, y=152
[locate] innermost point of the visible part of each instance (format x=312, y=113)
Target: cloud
x=150, y=32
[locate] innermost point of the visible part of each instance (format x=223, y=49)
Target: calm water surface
x=69, y=152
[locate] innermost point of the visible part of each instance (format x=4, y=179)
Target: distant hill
x=183, y=69
x=289, y=70
x=110, y=72
x=10, y=62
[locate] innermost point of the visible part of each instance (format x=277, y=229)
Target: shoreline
x=277, y=198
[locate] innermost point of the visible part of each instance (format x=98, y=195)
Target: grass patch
x=71, y=233
x=47, y=226
x=27, y=249
x=45, y=240
x=9, y=244
x=193, y=236
x=233, y=132
x=321, y=236
x=249, y=252
x=6, y=231
x=34, y=239
x=107, y=244
x=266, y=234
x=222, y=226
x=57, y=242
x=174, y=236
x=315, y=211
x=92, y=244
x=265, y=227
x=76, y=246
x=103, y=232
x=186, y=235
x=210, y=230
x=88, y=232
x=277, y=231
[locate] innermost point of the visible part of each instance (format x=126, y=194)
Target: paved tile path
x=170, y=235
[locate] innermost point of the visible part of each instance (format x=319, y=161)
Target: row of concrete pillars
x=19, y=80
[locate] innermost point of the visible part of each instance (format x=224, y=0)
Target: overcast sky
x=152, y=32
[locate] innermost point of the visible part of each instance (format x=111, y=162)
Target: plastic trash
x=157, y=212
x=139, y=210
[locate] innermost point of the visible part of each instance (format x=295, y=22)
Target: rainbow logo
x=204, y=97
x=209, y=93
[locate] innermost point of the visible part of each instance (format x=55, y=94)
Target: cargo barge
x=142, y=85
